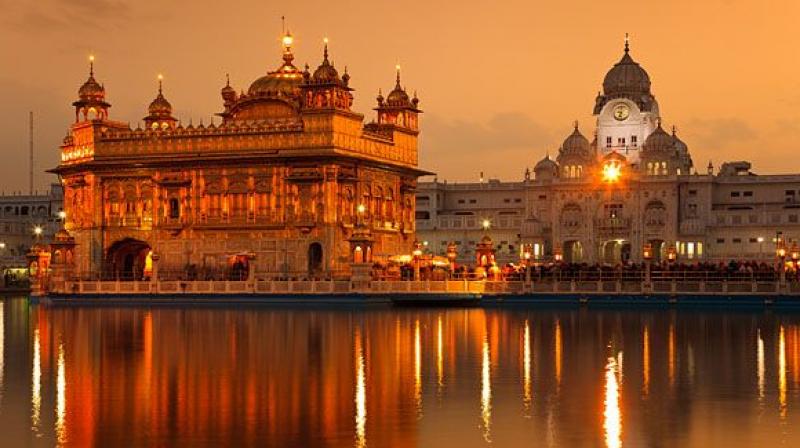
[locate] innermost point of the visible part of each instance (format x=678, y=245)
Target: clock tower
x=627, y=112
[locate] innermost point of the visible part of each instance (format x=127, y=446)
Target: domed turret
x=325, y=89
x=91, y=103
x=626, y=79
x=283, y=82
x=228, y=93
x=398, y=109
x=576, y=143
x=659, y=140
x=545, y=169
x=326, y=73
x=575, y=155
x=160, y=111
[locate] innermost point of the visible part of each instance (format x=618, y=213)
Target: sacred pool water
x=397, y=377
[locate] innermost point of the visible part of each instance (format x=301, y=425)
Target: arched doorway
x=129, y=259
x=573, y=252
x=314, y=259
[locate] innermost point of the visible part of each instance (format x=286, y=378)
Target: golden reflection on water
x=361, y=394
x=288, y=378
x=646, y=361
x=760, y=365
x=526, y=369
x=671, y=354
x=558, y=351
x=417, y=369
x=36, y=382
x=439, y=353
x=782, y=373
x=2, y=348
x=612, y=416
x=61, y=397
x=486, y=391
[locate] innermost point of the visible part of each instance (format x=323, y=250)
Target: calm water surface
x=384, y=377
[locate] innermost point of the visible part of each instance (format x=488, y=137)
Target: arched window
x=174, y=208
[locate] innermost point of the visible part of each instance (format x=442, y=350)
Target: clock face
x=621, y=112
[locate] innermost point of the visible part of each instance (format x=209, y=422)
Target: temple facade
x=604, y=198
x=277, y=188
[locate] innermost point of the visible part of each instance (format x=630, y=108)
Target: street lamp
x=672, y=254
x=38, y=231
x=795, y=255
x=780, y=252
x=647, y=254
x=557, y=255
x=486, y=224
x=526, y=256
x=62, y=215
x=416, y=253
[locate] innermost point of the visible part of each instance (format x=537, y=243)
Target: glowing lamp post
x=780, y=252
x=452, y=254
x=647, y=254
x=795, y=256
x=37, y=232
x=672, y=254
x=526, y=258
x=557, y=255
x=416, y=254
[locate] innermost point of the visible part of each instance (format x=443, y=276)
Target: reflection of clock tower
x=626, y=111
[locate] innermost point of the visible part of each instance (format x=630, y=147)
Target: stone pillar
x=154, y=278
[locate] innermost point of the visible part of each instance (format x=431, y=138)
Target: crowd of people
x=699, y=271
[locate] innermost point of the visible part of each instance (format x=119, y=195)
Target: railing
x=618, y=286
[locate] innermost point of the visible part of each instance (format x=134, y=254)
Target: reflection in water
x=646, y=362
x=671, y=354
x=612, y=417
x=439, y=354
x=36, y=382
x=361, y=395
x=2, y=348
x=760, y=365
x=104, y=376
x=558, y=352
x=782, y=373
x=526, y=369
x=486, y=391
x=61, y=397
x=417, y=369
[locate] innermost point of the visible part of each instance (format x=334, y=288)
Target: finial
x=674, y=130
x=91, y=65
x=397, y=67
x=575, y=123
x=160, y=80
x=627, y=43
x=325, y=53
x=227, y=79
x=658, y=121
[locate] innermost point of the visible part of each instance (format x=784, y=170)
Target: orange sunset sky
x=500, y=82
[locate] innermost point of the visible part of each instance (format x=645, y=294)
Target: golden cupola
x=274, y=96
x=325, y=89
x=91, y=103
x=398, y=109
x=160, y=111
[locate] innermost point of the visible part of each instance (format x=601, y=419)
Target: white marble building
x=603, y=201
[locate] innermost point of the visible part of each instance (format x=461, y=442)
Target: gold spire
x=627, y=43
x=160, y=80
x=91, y=65
x=325, y=52
x=397, y=67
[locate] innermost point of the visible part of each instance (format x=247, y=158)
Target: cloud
x=47, y=16
x=506, y=130
x=715, y=133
